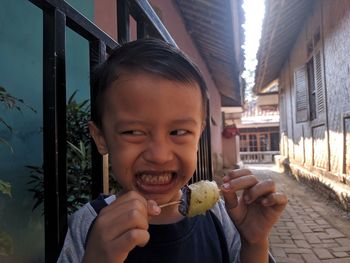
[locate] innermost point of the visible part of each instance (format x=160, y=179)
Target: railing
x=258, y=157
x=57, y=14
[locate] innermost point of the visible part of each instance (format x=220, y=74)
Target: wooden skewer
x=171, y=203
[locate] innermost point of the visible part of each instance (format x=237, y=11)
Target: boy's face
x=151, y=129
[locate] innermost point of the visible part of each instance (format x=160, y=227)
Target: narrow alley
x=312, y=228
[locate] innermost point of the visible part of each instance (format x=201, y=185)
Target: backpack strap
x=223, y=243
x=98, y=204
x=221, y=236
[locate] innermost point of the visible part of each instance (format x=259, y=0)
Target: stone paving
x=312, y=229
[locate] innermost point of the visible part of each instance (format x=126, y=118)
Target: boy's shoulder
x=220, y=212
x=232, y=236
x=82, y=218
x=78, y=227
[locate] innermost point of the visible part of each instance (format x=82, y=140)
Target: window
x=264, y=142
x=253, y=143
x=312, y=89
x=308, y=82
x=259, y=141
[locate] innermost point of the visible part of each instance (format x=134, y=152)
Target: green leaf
x=82, y=149
x=5, y=188
x=6, y=244
x=76, y=149
x=71, y=98
x=5, y=123
x=3, y=141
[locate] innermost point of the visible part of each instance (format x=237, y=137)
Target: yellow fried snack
x=198, y=198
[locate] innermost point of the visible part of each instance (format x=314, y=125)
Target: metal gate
x=57, y=14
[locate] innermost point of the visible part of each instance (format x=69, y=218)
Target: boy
x=151, y=107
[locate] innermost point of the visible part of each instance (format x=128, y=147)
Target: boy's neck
x=169, y=215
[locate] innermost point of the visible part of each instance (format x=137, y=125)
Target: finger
x=230, y=198
x=110, y=228
x=153, y=208
x=125, y=198
x=236, y=174
x=116, y=209
x=129, y=240
x=279, y=200
x=259, y=190
x=129, y=214
x=135, y=237
x=239, y=183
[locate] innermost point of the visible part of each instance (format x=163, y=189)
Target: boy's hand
x=257, y=209
x=120, y=227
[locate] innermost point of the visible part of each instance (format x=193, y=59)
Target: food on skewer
x=199, y=197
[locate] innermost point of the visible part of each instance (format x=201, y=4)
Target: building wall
x=267, y=100
x=336, y=20
x=105, y=16
x=321, y=146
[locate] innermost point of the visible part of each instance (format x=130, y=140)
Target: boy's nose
x=158, y=151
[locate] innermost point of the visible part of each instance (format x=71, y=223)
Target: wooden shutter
x=301, y=92
x=320, y=103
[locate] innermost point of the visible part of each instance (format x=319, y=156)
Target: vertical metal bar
x=208, y=142
x=123, y=21
x=206, y=160
x=202, y=174
x=199, y=165
x=97, y=54
x=54, y=123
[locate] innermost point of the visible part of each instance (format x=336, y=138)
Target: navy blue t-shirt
x=196, y=239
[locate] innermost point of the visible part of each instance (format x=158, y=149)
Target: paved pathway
x=311, y=229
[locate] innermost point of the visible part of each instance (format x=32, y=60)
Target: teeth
x=156, y=179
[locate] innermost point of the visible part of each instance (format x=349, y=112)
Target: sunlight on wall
x=316, y=152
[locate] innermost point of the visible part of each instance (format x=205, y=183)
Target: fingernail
x=226, y=186
x=226, y=178
x=246, y=199
x=156, y=209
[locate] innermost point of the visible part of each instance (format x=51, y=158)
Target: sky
x=254, y=13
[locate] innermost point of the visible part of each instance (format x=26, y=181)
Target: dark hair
x=144, y=55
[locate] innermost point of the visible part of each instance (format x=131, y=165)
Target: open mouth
x=155, y=182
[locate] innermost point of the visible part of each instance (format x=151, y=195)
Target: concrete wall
x=321, y=147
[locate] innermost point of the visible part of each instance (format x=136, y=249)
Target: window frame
x=309, y=84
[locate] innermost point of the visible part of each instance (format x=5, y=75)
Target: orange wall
x=105, y=16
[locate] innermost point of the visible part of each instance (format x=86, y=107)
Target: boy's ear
x=98, y=137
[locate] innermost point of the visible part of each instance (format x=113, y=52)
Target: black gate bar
x=98, y=54
x=54, y=123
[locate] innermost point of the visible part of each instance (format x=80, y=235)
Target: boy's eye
x=133, y=133
x=179, y=132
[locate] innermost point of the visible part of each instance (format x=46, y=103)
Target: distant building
x=259, y=129
x=257, y=124
x=305, y=45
